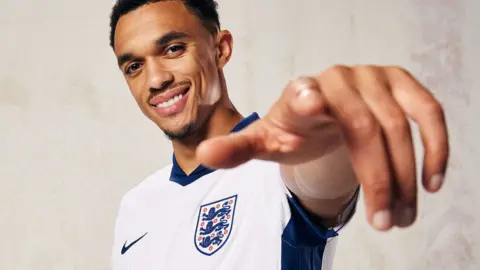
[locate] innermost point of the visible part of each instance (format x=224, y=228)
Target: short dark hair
x=205, y=10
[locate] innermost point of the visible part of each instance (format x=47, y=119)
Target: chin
x=180, y=133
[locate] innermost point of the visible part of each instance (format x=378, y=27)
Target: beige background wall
x=72, y=140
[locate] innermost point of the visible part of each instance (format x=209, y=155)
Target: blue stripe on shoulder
x=303, y=242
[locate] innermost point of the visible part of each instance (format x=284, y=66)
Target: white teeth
x=170, y=102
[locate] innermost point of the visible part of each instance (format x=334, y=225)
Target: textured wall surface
x=72, y=140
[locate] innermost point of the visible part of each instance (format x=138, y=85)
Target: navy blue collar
x=178, y=176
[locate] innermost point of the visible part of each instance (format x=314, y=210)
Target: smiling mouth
x=173, y=100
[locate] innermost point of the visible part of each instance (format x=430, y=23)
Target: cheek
x=211, y=87
x=204, y=74
x=138, y=95
x=212, y=92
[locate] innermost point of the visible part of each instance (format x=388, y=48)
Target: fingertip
x=201, y=151
x=435, y=183
x=382, y=220
x=404, y=216
x=303, y=82
x=304, y=95
x=210, y=153
x=225, y=152
x=308, y=102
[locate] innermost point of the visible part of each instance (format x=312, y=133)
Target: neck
x=220, y=122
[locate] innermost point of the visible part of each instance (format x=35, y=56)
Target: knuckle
x=433, y=108
x=363, y=125
x=336, y=69
x=368, y=76
x=398, y=70
x=398, y=77
x=366, y=68
x=396, y=122
x=380, y=190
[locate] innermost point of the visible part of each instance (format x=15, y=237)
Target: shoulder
x=151, y=184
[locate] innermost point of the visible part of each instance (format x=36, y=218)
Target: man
x=269, y=193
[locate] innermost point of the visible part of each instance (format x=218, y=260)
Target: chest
x=226, y=220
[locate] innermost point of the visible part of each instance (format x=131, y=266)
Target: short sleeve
x=304, y=242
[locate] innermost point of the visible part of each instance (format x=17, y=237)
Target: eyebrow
x=160, y=42
x=169, y=37
x=124, y=58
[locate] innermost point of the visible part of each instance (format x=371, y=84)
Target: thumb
x=304, y=97
x=300, y=107
x=231, y=150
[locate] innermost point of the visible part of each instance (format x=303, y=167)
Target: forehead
x=149, y=22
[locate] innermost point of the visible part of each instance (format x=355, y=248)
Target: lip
x=168, y=95
x=173, y=109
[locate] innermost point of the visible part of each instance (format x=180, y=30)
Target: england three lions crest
x=214, y=225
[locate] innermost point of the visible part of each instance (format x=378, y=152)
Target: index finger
x=231, y=150
x=420, y=105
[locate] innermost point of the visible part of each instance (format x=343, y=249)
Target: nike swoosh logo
x=126, y=247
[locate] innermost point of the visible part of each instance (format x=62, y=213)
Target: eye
x=175, y=50
x=132, y=68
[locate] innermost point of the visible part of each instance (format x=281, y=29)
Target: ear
x=224, y=43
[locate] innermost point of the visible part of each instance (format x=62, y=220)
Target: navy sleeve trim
x=303, y=241
x=349, y=211
x=309, y=233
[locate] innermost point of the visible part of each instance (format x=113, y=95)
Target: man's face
x=169, y=61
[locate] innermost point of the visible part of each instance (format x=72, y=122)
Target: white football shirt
x=242, y=218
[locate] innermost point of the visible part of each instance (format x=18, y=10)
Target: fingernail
x=382, y=220
x=406, y=217
x=303, y=93
x=436, y=182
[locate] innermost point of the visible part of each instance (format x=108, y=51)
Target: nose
x=158, y=78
